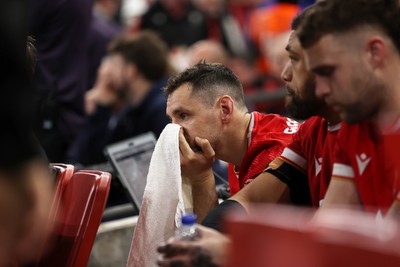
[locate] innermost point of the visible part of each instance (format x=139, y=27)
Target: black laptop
x=130, y=159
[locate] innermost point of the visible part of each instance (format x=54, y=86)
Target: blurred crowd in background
x=74, y=79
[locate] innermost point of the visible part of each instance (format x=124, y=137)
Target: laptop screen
x=131, y=160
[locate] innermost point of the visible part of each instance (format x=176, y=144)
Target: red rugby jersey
x=312, y=152
x=360, y=157
x=268, y=135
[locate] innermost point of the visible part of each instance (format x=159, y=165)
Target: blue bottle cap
x=189, y=219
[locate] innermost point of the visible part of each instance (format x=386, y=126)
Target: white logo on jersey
x=318, y=164
x=362, y=162
x=293, y=126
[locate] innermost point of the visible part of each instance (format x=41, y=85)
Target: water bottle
x=188, y=230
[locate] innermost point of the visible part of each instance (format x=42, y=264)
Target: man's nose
x=286, y=74
x=322, y=87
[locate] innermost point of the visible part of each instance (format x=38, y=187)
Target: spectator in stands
x=107, y=10
x=138, y=73
x=224, y=27
x=178, y=22
x=131, y=12
x=103, y=29
x=209, y=51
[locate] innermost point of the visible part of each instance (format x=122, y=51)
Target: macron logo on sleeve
x=318, y=165
x=362, y=162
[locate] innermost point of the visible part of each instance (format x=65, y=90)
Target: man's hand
x=210, y=250
x=196, y=165
x=105, y=91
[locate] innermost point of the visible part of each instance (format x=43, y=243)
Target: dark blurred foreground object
x=17, y=141
x=25, y=183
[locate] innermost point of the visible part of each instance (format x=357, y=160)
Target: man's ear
x=226, y=105
x=131, y=71
x=376, y=49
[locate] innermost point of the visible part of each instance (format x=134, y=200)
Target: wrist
x=203, y=179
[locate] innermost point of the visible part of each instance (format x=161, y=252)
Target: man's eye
x=325, y=72
x=293, y=59
x=183, y=116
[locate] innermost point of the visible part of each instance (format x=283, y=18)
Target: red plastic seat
x=357, y=239
x=94, y=220
x=289, y=237
x=82, y=200
x=64, y=174
x=271, y=236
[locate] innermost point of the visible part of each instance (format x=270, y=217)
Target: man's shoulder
x=312, y=124
x=359, y=132
x=276, y=123
x=356, y=144
x=269, y=116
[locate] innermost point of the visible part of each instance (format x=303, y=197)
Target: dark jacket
x=103, y=127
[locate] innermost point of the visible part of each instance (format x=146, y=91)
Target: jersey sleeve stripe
x=343, y=171
x=294, y=158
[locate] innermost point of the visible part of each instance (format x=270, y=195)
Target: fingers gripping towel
x=163, y=200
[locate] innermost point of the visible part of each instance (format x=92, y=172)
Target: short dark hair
x=146, y=50
x=299, y=18
x=338, y=16
x=209, y=80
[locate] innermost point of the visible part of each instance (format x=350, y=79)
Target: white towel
x=163, y=200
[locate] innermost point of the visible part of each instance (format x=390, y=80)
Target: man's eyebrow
x=321, y=68
x=177, y=110
x=290, y=50
x=174, y=113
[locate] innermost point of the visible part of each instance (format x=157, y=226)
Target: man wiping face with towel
x=207, y=100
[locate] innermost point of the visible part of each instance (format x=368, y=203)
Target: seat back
x=357, y=239
x=270, y=236
x=64, y=175
x=82, y=202
x=93, y=221
x=294, y=237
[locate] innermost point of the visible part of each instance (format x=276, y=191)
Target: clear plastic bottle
x=188, y=230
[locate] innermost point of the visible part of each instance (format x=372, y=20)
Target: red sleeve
x=293, y=153
x=342, y=166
